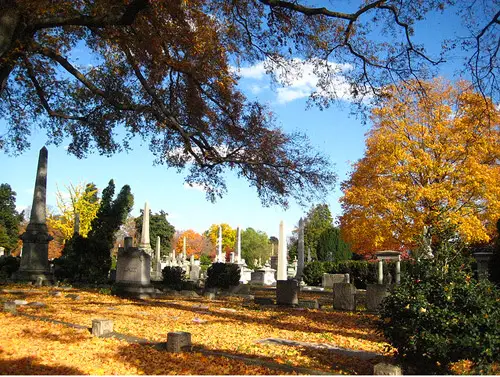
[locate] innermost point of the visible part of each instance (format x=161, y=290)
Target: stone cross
x=282, y=262
x=145, y=244
x=35, y=252
x=238, y=244
x=300, y=251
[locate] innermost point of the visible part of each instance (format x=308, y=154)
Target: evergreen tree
x=331, y=246
x=158, y=226
x=254, y=245
x=9, y=218
x=316, y=222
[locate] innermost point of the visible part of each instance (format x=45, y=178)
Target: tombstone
x=178, y=341
x=231, y=257
x=133, y=268
x=330, y=279
x=194, y=273
x=300, y=251
x=263, y=276
x=274, y=262
x=344, y=296
x=375, y=293
x=101, y=327
x=156, y=271
x=282, y=254
x=287, y=292
x=220, y=257
x=35, y=251
x=245, y=273
x=482, y=260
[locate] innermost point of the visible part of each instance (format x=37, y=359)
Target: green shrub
x=360, y=272
x=222, y=275
x=174, y=277
x=8, y=265
x=313, y=273
x=439, y=314
x=205, y=260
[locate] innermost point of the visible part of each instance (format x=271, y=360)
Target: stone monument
x=35, y=253
x=156, y=272
x=300, y=251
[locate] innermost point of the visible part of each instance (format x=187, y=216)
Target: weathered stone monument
x=35, y=252
x=238, y=244
x=329, y=280
x=282, y=254
x=156, y=272
x=344, y=296
x=263, y=276
x=287, y=290
x=220, y=258
x=133, y=266
x=300, y=251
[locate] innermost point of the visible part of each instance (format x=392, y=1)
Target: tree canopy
x=163, y=72
x=430, y=162
x=10, y=219
x=254, y=245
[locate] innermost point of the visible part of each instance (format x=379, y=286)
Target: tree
x=88, y=259
x=158, y=226
x=430, y=161
x=254, y=245
x=195, y=243
x=318, y=219
x=331, y=246
x=10, y=219
x=228, y=237
x=82, y=200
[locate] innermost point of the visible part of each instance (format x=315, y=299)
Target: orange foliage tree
x=429, y=160
x=195, y=243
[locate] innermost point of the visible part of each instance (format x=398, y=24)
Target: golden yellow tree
x=228, y=236
x=429, y=159
x=81, y=199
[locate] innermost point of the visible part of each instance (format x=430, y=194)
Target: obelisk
x=238, y=244
x=282, y=262
x=35, y=253
x=145, y=244
x=300, y=251
x=219, y=245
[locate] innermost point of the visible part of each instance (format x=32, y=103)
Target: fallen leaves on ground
x=31, y=346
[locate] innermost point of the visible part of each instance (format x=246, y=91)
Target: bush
x=361, y=272
x=222, y=275
x=174, y=277
x=9, y=265
x=439, y=315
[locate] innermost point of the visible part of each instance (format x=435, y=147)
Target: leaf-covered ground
x=29, y=345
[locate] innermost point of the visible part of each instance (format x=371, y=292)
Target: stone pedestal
x=330, y=279
x=287, y=292
x=178, y=341
x=375, y=293
x=133, y=274
x=194, y=273
x=245, y=274
x=101, y=327
x=263, y=276
x=344, y=296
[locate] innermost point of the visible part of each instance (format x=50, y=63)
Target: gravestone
x=133, y=268
x=282, y=254
x=263, y=276
x=178, y=341
x=300, y=251
x=287, y=292
x=35, y=251
x=375, y=293
x=330, y=279
x=156, y=272
x=344, y=296
x=245, y=273
x=101, y=327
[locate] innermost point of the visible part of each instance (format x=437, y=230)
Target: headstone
x=330, y=279
x=194, y=272
x=35, y=251
x=383, y=369
x=156, y=273
x=300, y=251
x=375, y=293
x=287, y=292
x=20, y=302
x=282, y=254
x=101, y=327
x=263, y=276
x=133, y=268
x=245, y=274
x=178, y=341
x=231, y=257
x=10, y=307
x=344, y=296
x=310, y=304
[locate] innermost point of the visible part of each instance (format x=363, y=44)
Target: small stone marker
x=20, y=302
x=178, y=341
x=37, y=304
x=55, y=294
x=9, y=307
x=228, y=310
x=39, y=281
x=73, y=296
x=383, y=369
x=311, y=304
x=101, y=327
x=198, y=320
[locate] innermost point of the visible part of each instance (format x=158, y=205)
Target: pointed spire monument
x=35, y=253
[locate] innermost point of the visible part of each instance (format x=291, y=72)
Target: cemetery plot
x=227, y=338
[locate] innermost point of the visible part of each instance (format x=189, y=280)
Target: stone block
x=263, y=300
x=375, y=293
x=10, y=307
x=344, y=296
x=20, y=302
x=178, y=341
x=310, y=304
x=101, y=327
x=383, y=369
x=73, y=296
x=330, y=279
x=287, y=292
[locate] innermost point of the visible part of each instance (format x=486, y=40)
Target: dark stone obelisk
x=35, y=253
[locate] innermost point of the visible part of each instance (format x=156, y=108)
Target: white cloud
x=298, y=78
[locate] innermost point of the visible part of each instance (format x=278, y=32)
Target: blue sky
x=332, y=131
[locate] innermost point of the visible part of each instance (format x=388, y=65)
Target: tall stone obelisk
x=300, y=251
x=238, y=244
x=220, y=258
x=145, y=244
x=35, y=253
x=282, y=254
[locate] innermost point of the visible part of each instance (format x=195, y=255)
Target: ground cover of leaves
x=30, y=346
